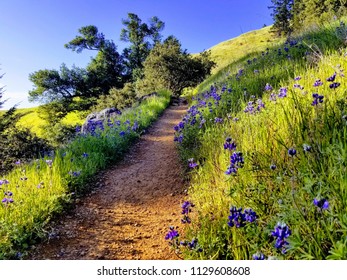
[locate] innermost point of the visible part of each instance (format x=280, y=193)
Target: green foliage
x=16, y=144
x=168, y=66
x=117, y=98
x=282, y=14
x=312, y=12
x=62, y=85
x=142, y=38
x=89, y=39
x=277, y=186
x=40, y=189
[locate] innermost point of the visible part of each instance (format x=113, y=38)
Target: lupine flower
x=17, y=162
x=135, y=126
x=273, y=166
x=298, y=86
x=250, y=215
x=49, y=162
x=229, y=144
x=250, y=108
x=322, y=204
x=235, y=119
x=122, y=133
x=186, y=220
x=317, y=99
x=172, y=234
x=268, y=87
x=260, y=104
x=4, y=182
x=193, y=244
x=230, y=170
x=282, y=92
x=292, y=152
x=258, y=256
x=85, y=155
x=179, y=139
x=236, y=218
x=334, y=85
x=297, y=78
x=218, y=120
x=281, y=232
x=239, y=219
x=307, y=148
x=186, y=207
x=318, y=83
x=192, y=164
x=237, y=159
x=332, y=78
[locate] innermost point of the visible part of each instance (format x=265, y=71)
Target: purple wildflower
x=186, y=209
x=292, y=152
x=318, y=83
x=322, y=204
x=229, y=144
x=282, y=92
x=317, y=99
x=260, y=104
x=172, y=234
x=281, y=232
x=258, y=256
x=250, y=215
x=273, y=166
x=218, y=120
x=297, y=78
x=268, y=87
x=307, y=148
x=192, y=164
x=239, y=219
x=332, y=78
x=334, y=85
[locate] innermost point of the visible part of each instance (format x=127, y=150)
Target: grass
x=33, y=193
x=303, y=194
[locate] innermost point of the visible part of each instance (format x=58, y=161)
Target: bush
x=117, y=98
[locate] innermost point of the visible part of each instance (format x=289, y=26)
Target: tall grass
x=33, y=193
x=288, y=169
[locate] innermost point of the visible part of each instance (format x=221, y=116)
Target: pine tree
x=282, y=13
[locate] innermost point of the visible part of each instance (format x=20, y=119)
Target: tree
x=282, y=14
x=89, y=39
x=142, y=38
x=16, y=144
x=102, y=73
x=107, y=68
x=54, y=85
x=168, y=66
x=8, y=118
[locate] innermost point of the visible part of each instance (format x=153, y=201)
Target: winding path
x=128, y=216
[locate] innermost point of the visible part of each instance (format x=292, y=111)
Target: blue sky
x=33, y=33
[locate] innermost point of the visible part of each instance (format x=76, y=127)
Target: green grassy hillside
x=264, y=143
x=232, y=50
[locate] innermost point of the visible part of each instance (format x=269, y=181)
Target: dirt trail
x=129, y=215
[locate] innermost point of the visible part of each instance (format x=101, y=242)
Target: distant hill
x=231, y=50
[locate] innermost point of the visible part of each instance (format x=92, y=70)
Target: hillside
x=232, y=50
x=264, y=146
